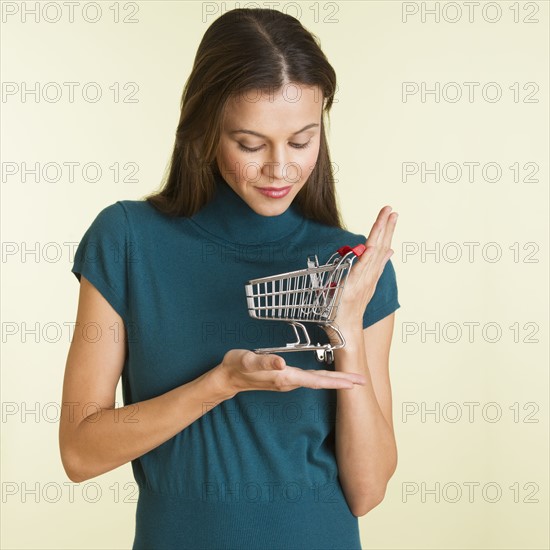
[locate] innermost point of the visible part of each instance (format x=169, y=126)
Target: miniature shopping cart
x=310, y=294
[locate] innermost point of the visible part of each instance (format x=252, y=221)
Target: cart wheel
x=329, y=356
x=320, y=355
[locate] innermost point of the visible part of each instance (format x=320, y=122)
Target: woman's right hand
x=244, y=370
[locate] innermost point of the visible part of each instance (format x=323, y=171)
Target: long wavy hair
x=245, y=50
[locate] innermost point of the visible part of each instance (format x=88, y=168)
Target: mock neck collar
x=229, y=217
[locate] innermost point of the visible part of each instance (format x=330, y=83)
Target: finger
x=376, y=241
x=390, y=228
x=352, y=376
x=315, y=381
x=366, y=259
x=387, y=227
x=327, y=379
x=270, y=361
x=277, y=362
x=389, y=254
x=384, y=238
x=369, y=263
x=379, y=225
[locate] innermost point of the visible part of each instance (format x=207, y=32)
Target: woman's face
x=282, y=131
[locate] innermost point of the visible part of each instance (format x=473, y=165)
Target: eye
x=247, y=150
x=300, y=145
x=294, y=145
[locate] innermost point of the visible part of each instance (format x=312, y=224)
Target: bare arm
x=94, y=437
x=366, y=449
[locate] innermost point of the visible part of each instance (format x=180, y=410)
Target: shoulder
x=139, y=210
x=130, y=207
x=117, y=220
x=129, y=215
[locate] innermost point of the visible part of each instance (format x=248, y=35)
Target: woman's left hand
x=364, y=274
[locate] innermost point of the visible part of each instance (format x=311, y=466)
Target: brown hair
x=241, y=51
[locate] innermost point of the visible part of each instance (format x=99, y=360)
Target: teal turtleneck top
x=256, y=471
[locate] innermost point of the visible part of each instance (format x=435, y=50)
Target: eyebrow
x=243, y=131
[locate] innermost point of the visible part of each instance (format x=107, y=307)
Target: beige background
x=373, y=133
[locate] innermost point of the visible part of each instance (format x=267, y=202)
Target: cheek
x=232, y=161
x=309, y=161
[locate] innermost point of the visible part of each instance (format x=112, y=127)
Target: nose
x=278, y=170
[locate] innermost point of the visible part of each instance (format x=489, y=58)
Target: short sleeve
x=101, y=256
x=385, y=298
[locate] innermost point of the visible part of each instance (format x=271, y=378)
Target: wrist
x=355, y=342
x=352, y=348
x=352, y=333
x=220, y=383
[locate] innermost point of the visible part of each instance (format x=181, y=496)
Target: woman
x=229, y=448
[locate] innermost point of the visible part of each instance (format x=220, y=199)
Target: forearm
x=365, y=446
x=112, y=437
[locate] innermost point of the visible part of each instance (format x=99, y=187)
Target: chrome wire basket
x=312, y=294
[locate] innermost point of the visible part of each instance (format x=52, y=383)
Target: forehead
x=285, y=110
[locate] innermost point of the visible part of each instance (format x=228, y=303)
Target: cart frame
x=312, y=295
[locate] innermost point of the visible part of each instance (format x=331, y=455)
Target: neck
x=230, y=218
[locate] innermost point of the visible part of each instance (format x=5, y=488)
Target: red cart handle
x=357, y=250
